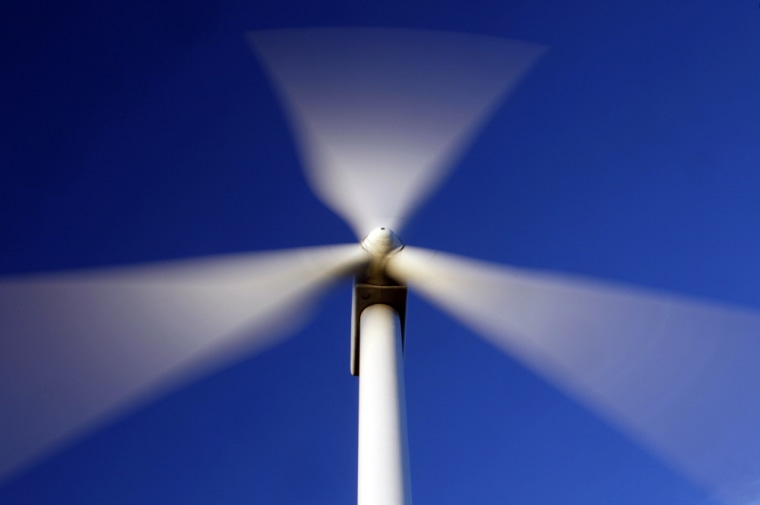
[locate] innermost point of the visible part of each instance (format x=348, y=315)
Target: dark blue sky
x=135, y=132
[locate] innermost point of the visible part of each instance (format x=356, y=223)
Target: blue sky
x=140, y=132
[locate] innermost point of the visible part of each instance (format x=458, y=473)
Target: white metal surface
x=383, y=450
x=381, y=241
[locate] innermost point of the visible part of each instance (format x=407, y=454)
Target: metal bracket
x=370, y=294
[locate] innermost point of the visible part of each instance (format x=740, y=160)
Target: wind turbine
x=380, y=116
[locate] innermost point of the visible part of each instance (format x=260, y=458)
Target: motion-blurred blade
x=682, y=377
x=381, y=114
x=76, y=348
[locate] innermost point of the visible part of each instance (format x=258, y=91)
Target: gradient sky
x=135, y=132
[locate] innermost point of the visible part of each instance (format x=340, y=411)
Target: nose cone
x=381, y=241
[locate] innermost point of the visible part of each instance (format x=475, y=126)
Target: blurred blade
x=76, y=348
x=680, y=376
x=381, y=114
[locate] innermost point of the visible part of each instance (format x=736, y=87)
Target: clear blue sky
x=135, y=132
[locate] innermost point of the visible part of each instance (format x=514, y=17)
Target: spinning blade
x=680, y=376
x=380, y=115
x=79, y=347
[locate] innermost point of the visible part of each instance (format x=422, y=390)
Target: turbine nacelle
x=374, y=285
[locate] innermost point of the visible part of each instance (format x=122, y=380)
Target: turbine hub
x=381, y=241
